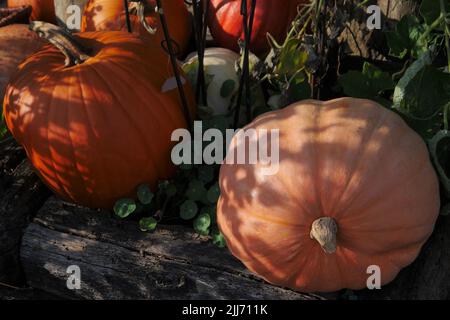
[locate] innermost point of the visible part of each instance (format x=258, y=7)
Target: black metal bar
x=199, y=26
x=245, y=77
x=247, y=62
x=173, y=60
x=127, y=15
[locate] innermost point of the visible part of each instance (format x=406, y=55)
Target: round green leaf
x=171, y=190
x=148, y=224
x=218, y=239
x=196, y=190
x=145, y=195
x=206, y=174
x=202, y=223
x=188, y=210
x=124, y=207
x=213, y=193
x=211, y=211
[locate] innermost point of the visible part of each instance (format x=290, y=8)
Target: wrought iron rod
x=199, y=27
x=173, y=60
x=127, y=15
x=245, y=76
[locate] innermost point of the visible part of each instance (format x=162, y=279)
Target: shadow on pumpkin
x=267, y=221
x=92, y=133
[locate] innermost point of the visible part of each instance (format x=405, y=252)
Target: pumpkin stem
x=324, y=231
x=142, y=9
x=75, y=53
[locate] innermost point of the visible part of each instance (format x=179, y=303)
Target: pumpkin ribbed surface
x=96, y=130
x=347, y=166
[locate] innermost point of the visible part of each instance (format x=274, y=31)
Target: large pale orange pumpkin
x=98, y=125
x=355, y=188
x=43, y=10
x=102, y=15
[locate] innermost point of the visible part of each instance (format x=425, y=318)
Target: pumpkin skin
x=97, y=130
x=16, y=43
x=349, y=160
x=105, y=15
x=271, y=16
x=43, y=10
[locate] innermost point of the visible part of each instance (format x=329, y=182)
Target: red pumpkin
x=355, y=188
x=43, y=10
x=103, y=15
x=98, y=125
x=271, y=16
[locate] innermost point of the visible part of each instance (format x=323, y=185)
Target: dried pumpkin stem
x=74, y=52
x=142, y=9
x=324, y=231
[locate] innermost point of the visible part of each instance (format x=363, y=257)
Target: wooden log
x=21, y=195
x=8, y=293
x=118, y=261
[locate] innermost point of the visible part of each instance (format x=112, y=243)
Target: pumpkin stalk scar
x=141, y=9
x=74, y=52
x=324, y=231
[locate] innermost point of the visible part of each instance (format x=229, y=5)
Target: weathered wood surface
x=8, y=293
x=118, y=261
x=21, y=195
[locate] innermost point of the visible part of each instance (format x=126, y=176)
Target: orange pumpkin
x=43, y=10
x=100, y=125
x=16, y=43
x=101, y=15
x=355, y=188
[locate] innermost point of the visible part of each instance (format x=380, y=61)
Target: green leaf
x=431, y=10
x=299, y=89
x=445, y=210
x=3, y=128
x=440, y=153
x=213, y=193
x=202, y=223
x=196, y=190
x=144, y=194
x=421, y=95
x=227, y=88
x=407, y=38
x=211, y=211
x=206, y=174
x=292, y=58
x=171, y=190
x=124, y=207
x=217, y=122
x=277, y=101
x=188, y=210
x=367, y=84
x=218, y=239
x=148, y=224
